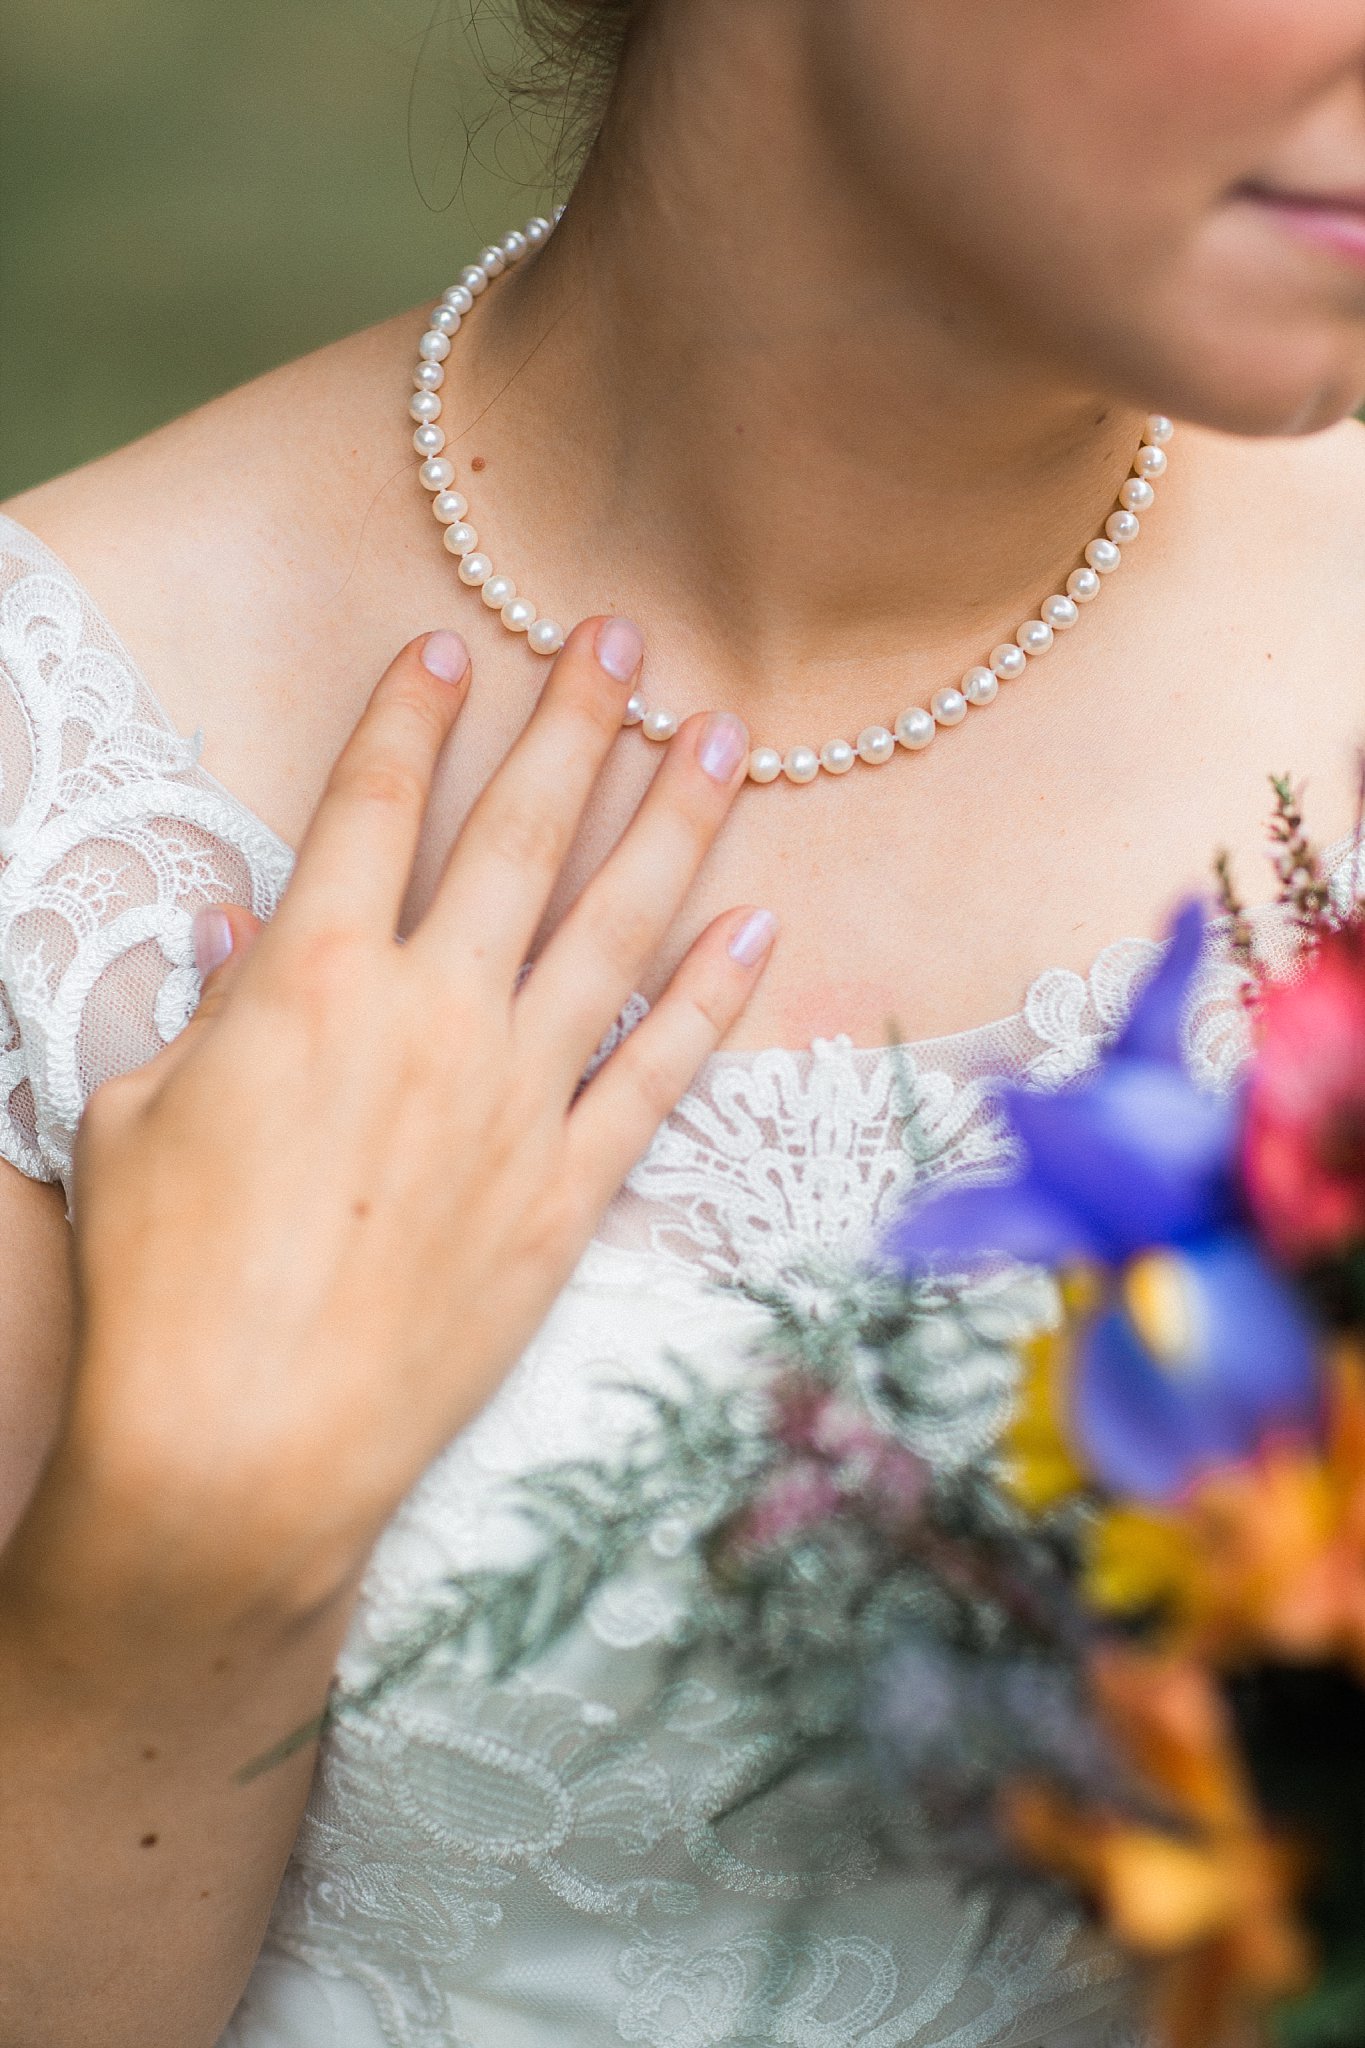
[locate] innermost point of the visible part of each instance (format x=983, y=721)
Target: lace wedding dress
x=555, y=1859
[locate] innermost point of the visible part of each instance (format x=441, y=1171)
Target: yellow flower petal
x=1138, y=1560
x=1041, y=1466
x=1165, y=1308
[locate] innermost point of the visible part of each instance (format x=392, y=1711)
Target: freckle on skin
x=360, y=1210
x=150, y=1841
x=149, y=1756
x=220, y=1664
x=479, y=462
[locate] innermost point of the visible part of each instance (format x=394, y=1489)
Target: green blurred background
x=192, y=191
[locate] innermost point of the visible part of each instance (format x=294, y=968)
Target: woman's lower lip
x=1338, y=230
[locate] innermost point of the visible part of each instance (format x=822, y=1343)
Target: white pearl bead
x=498, y=591
x=658, y=726
x=474, y=568
x=444, y=319
x=437, y=475
x=949, y=706
x=837, y=757
x=474, y=278
x=1035, y=636
x=1009, y=662
x=1160, y=430
x=514, y=246
x=460, y=539
x=429, y=376
x=434, y=346
x=981, y=686
x=1137, y=495
x=536, y=232
x=492, y=260
x=460, y=297
x=1151, y=463
x=635, y=710
x=802, y=764
x=1103, y=556
x=1083, y=585
x=450, y=507
x=561, y=210
x=519, y=616
x=546, y=636
x=1123, y=528
x=1061, y=613
x=875, y=745
x=424, y=405
x=429, y=440
x=915, y=728
x=765, y=763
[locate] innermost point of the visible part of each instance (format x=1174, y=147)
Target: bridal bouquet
x=1197, y=1417
x=1088, y=1603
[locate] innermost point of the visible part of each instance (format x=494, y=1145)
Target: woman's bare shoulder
x=225, y=549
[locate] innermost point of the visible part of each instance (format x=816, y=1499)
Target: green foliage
x=913, y=1384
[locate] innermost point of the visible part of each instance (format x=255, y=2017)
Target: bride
x=839, y=402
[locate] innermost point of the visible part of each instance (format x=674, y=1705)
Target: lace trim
x=774, y=1155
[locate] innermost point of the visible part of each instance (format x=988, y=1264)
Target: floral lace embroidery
x=111, y=837
x=550, y=1859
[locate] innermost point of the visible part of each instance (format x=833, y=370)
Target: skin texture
x=1131, y=259
x=837, y=359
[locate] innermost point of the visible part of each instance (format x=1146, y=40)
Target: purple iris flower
x=1137, y=1159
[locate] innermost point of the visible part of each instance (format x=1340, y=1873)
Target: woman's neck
x=770, y=406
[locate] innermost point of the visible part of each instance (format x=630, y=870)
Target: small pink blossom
x=797, y=1499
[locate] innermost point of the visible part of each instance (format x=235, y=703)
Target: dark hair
x=573, y=50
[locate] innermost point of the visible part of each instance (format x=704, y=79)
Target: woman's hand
x=310, y=1238
x=315, y=1232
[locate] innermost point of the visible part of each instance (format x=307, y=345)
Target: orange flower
x=1207, y=1899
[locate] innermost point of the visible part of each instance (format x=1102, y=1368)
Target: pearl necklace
x=875, y=744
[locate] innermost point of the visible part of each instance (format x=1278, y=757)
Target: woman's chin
x=1262, y=341
x=1281, y=413
x=1263, y=386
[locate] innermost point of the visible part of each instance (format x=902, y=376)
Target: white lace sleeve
x=111, y=838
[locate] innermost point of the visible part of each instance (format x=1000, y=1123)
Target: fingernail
x=724, y=743
x=753, y=938
x=445, y=655
x=620, y=648
x=212, y=940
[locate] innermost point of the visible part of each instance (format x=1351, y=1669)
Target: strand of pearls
x=499, y=593
x=917, y=726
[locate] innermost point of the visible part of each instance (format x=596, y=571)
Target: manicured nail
x=212, y=941
x=753, y=938
x=445, y=655
x=723, y=744
x=620, y=648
